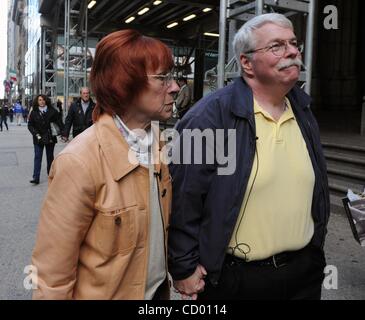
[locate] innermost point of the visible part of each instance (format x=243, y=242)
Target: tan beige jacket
x=93, y=234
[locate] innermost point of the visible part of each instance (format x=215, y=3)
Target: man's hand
x=190, y=287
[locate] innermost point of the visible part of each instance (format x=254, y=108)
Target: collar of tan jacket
x=120, y=158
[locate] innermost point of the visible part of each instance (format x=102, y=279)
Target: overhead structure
x=47, y=80
x=184, y=25
x=237, y=12
x=49, y=68
x=75, y=49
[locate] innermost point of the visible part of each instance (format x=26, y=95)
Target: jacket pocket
x=116, y=231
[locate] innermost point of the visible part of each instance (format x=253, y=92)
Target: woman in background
x=39, y=125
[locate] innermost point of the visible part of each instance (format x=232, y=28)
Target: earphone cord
x=241, y=246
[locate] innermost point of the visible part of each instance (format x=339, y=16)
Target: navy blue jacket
x=77, y=119
x=206, y=205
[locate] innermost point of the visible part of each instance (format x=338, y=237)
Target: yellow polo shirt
x=276, y=217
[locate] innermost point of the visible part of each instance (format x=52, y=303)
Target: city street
x=20, y=205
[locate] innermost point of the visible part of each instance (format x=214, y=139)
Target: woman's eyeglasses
x=165, y=78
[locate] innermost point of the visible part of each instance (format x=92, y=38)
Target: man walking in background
x=79, y=116
x=183, y=101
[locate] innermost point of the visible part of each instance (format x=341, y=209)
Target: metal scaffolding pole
x=222, y=43
x=66, y=55
x=43, y=58
x=86, y=46
x=309, y=46
x=231, y=33
x=259, y=8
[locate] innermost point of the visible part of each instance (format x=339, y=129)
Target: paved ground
x=21, y=201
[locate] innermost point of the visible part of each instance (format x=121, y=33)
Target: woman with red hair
x=103, y=225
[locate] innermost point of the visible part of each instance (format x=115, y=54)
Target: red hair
x=119, y=71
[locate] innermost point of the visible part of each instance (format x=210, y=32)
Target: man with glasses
x=259, y=232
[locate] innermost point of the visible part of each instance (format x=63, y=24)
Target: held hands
x=190, y=287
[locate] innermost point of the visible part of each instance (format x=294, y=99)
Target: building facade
x=17, y=37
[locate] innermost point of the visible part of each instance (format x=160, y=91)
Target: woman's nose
x=174, y=88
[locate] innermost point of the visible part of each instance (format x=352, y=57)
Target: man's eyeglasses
x=167, y=78
x=280, y=47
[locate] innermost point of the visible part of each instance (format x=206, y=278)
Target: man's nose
x=292, y=50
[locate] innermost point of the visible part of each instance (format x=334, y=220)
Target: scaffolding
x=47, y=78
x=75, y=50
x=49, y=67
x=234, y=12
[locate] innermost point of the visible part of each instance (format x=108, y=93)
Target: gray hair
x=244, y=39
x=84, y=88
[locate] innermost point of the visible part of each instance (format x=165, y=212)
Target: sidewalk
x=20, y=207
x=21, y=202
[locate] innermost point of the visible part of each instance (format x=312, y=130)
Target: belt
x=277, y=260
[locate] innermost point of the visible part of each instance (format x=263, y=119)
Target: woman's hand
x=191, y=286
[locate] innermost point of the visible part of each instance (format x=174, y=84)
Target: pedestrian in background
x=59, y=106
x=18, y=110
x=79, y=116
x=183, y=101
x=3, y=117
x=25, y=114
x=39, y=125
x=11, y=114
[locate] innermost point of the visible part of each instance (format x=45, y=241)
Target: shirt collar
x=287, y=115
x=142, y=146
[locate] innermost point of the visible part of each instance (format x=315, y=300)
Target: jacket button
x=163, y=192
x=118, y=221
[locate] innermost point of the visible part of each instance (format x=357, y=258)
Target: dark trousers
x=38, y=154
x=3, y=119
x=300, y=279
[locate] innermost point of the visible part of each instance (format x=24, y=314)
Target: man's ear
x=246, y=64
